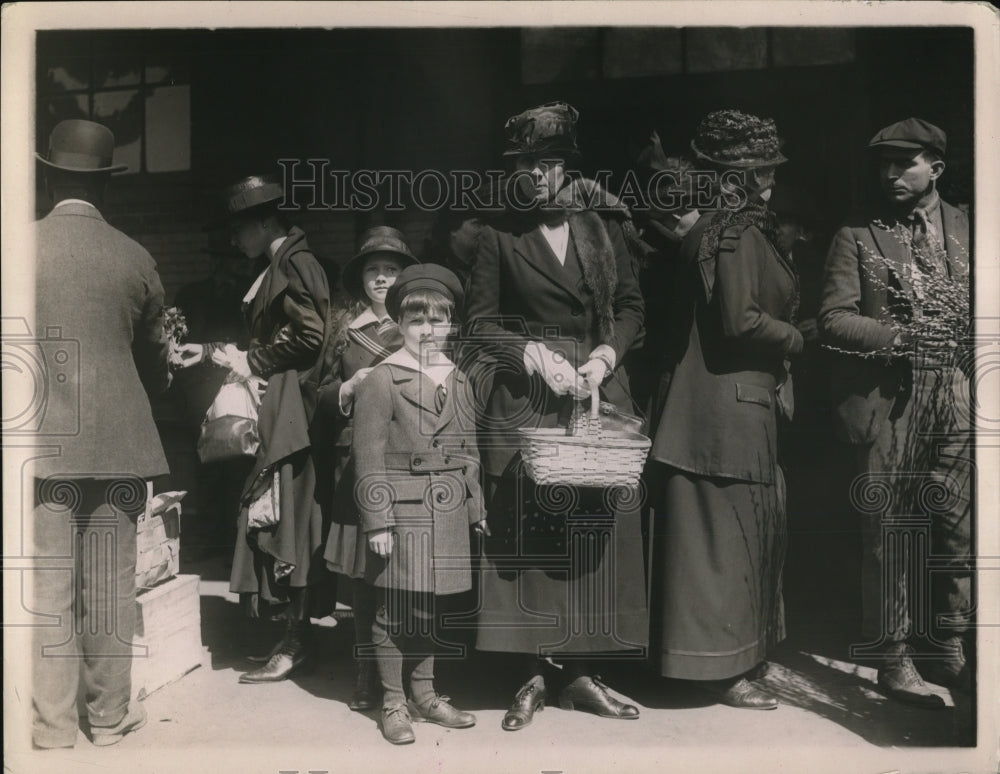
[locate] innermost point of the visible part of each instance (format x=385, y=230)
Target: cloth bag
x=229, y=430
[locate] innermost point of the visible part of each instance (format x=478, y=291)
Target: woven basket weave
x=583, y=454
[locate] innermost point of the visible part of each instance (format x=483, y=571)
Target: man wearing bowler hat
x=895, y=401
x=102, y=293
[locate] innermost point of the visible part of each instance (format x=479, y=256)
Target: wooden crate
x=168, y=626
x=158, y=539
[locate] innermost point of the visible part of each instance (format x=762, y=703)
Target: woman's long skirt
x=562, y=572
x=263, y=557
x=719, y=549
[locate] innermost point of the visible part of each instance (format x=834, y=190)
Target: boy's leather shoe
x=396, y=727
x=439, y=711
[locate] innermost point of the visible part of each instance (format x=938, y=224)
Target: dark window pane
x=121, y=111
x=117, y=70
x=165, y=68
x=168, y=129
x=714, y=49
x=65, y=75
x=559, y=54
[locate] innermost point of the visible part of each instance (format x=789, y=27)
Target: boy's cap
x=423, y=276
x=911, y=133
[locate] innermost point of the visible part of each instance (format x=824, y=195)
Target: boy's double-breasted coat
x=417, y=470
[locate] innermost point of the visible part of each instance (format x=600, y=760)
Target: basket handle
x=595, y=401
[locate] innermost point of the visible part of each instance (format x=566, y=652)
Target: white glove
x=555, y=370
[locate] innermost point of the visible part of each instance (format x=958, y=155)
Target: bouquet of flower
x=937, y=313
x=174, y=324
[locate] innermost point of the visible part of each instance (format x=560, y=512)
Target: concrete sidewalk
x=831, y=718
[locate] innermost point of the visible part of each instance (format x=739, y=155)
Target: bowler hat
x=378, y=239
x=911, y=133
x=731, y=138
x=423, y=276
x=251, y=192
x=76, y=145
x=548, y=128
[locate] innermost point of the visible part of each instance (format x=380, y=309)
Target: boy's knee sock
x=390, y=663
x=422, y=678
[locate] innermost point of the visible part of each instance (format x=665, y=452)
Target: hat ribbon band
x=81, y=160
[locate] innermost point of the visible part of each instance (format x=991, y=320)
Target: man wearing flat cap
x=895, y=382
x=99, y=292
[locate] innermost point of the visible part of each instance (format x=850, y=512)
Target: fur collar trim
x=600, y=270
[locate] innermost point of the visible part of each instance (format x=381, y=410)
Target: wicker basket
x=583, y=454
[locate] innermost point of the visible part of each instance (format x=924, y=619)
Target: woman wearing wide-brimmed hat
x=278, y=558
x=554, y=305
x=363, y=335
x=719, y=533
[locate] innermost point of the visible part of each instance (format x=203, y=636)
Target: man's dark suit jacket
x=100, y=289
x=857, y=312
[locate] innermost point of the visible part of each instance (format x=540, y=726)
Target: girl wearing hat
x=719, y=531
x=417, y=494
x=555, y=302
x=280, y=523
x=363, y=337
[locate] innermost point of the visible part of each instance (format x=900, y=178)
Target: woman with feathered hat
x=719, y=532
x=554, y=305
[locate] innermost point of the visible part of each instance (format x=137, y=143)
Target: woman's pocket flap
x=752, y=393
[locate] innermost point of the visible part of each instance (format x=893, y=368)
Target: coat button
x=435, y=444
x=576, y=313
x=417, y=461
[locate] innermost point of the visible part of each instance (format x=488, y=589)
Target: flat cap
x=911, y=133
x=423, y=276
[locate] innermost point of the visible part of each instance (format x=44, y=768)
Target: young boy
x=417, y=493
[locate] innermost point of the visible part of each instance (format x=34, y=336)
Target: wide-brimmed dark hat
x=424, y=276
x=731, y=138
x=548, y=128
x=251, y=192
x=76, y=145
x=911, y=133
x=378, y=239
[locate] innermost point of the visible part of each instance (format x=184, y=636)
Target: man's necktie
x=926, y=243
x=440, y=395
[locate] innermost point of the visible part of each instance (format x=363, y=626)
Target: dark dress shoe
x=396, y=727
x=589, y=694
x=899, y=679
x=267, y=656
x=741, y=694
x=530, y=697
x=439, y=711
x=366, y=685
x=292, y=652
